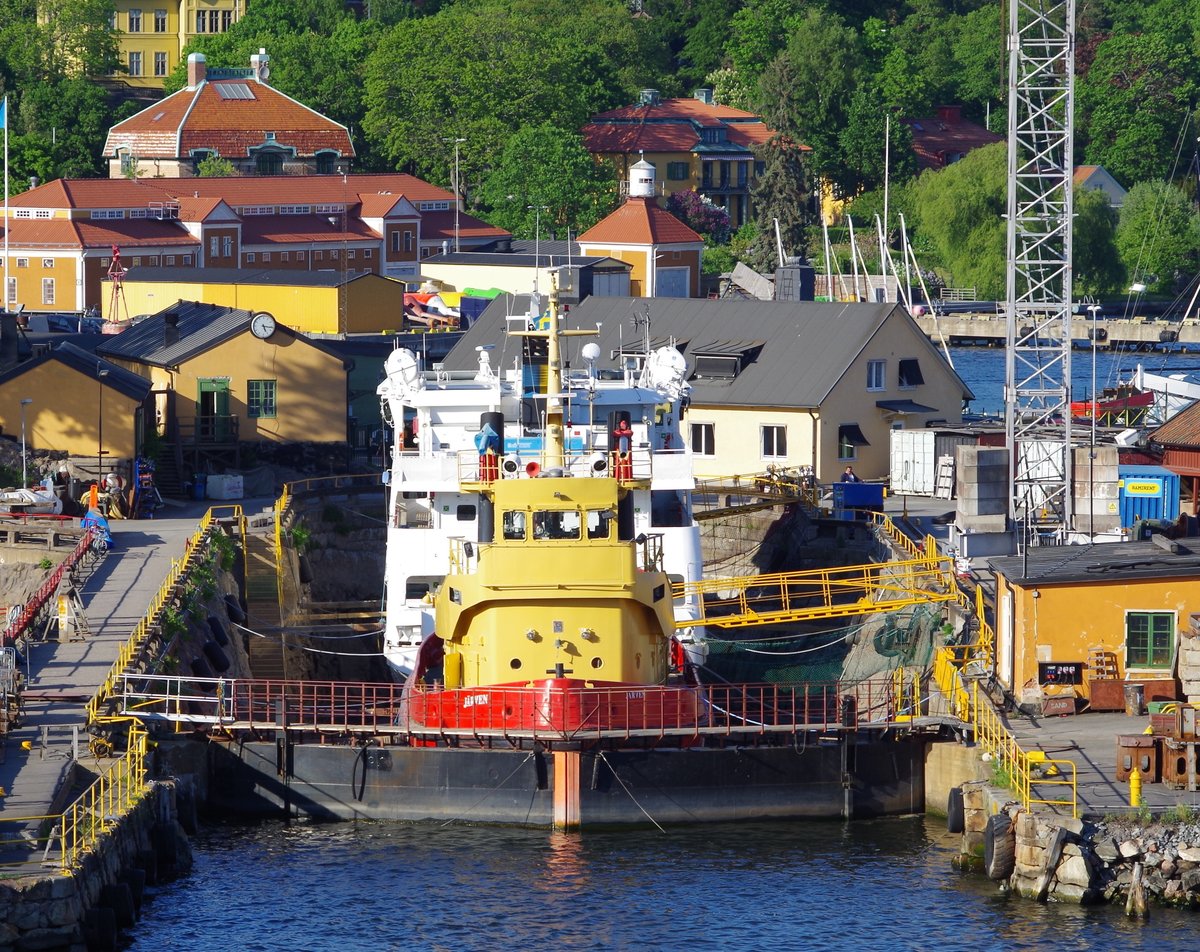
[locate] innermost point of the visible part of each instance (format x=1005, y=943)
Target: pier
x=1137, y=333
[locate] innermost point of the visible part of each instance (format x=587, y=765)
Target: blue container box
x=855, y=500
x=1147, y=492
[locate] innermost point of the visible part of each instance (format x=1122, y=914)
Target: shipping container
x=1147, y=492
x=914, y=458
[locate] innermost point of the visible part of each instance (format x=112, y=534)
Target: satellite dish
x=591, y=352
x=265, y=71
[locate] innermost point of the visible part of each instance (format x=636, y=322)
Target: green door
x=212, y=420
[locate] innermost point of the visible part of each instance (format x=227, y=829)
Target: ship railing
x=602, y=712
x=21, y=621
x=637, y=465
x=465, y=553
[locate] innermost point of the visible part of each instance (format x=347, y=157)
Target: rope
x=283, y=639
x=600, y=754
x=497, y=787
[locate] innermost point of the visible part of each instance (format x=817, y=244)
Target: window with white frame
x=160, y=21
x=160, y=64
x=349, y=254
x=366, y=252
x=227, y=246
x=22, y=262
x=11, y=297
x=23, y=213
x=773, y=441
x=251, y=257
x=47, y=290
x=284, y=256
x=396, y=240
x=102, y=213
x=135, y=63
x=266, y=257
x=1149, y=639
x=135, y=21
x=295, y=209
x=43, y=213
x=187, y=261
x=876, y=374
x=170, y=261
x=47, y=262
x=139, y=212
x=408, y=241
x=704, y=441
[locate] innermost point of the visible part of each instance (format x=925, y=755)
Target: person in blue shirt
x=850, y=476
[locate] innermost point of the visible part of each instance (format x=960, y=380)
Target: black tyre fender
x=999, y=847
x=956, y=820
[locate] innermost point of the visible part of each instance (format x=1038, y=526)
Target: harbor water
x=372, y=887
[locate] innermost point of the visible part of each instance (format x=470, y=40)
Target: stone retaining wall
x=85, y=908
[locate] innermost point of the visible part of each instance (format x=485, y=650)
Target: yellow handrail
x=81, y=825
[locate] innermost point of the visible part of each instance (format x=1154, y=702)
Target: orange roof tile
x=61, y=233
x=682, y=108
x=201, y=118
x=947, y=136
x=640, y=222
x=287, y=229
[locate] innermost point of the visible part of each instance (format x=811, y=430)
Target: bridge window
x=553, y=524
x=514, y=525
x=1149, y=639
x=598, y=523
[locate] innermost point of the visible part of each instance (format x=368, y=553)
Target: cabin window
x=465, y=513
x=553, y=524
x=514, y=525
x=1149, y=639
x=418, y=586
x=598, y=523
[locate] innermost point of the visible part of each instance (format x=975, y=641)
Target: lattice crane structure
x=1041, y=58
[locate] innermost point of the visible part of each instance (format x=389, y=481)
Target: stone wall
x=86, y=907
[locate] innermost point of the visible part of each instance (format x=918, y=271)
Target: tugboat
x=534, y=539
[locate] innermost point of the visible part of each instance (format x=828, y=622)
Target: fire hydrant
x=1135, y=788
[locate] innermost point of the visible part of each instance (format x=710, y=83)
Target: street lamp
x=24, y=464
x=457, y=196
x=1093, y=310
x=101, y=373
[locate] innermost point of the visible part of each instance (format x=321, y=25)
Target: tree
x=861, y=145
x=214, y=166
x=1098, y=269
x=780, y=194
x=484, y=70
x=806, y=92
x=547, y=168
x=1158, y=235
x=700, y=214
x=960, y=210
x=1134, y=100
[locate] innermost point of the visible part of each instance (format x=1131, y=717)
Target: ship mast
x=553, y=445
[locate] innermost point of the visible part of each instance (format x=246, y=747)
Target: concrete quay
x=1135, y=333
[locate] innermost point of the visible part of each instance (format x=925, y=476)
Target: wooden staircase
x=262, y=604
x=167, y=475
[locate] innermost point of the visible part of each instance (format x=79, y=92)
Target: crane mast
x=1037, y=390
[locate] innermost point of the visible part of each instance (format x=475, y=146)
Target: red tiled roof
x=640, y=222
x=441, y=225
x=1183, y=429
x=286, y=229
x=201, y=118
x=670, y=126
x=379, y=206
x=198, y=209
x=61, y=233
x=947, y=135
x=1082, y=172
x=236, y=191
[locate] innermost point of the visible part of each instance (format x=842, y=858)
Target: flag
x=4, y=113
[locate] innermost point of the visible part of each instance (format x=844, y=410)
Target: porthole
x=515, y=663
x=597, y=663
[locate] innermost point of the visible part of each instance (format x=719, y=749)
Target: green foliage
x=225, y=550
x=10, y=476
x=215, y=167
x=172, y=622
x=45, y=564
x=780, y=193
x=1098, y=269
x=1158, y=234
x=1181, y=813
x=548, y=168
x=483, y=71
x=1001, y=776
x=301, y=538
x=960, y=209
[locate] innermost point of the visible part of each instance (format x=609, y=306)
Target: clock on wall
x=262, y=325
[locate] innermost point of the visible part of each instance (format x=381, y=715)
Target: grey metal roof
x=528, y=246
x=85, y=362
x=904, y=406
x=275, y=276
x=809, y=345
x=1101, y=562
x=199, y=327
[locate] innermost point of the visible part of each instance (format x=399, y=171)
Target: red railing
x=602, y=712
x=47, y=590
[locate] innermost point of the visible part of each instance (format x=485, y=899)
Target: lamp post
x=24, y=463
x=1094, y=310
x=457, y=195
x=101, y=373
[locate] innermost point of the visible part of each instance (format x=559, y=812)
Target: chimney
x=704, y=95
x=950, y=113
x=170, y=328
x=196, y=69
x=260, y=66
x=33, y=181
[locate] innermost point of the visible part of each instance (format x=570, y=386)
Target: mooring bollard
x=1135, y=787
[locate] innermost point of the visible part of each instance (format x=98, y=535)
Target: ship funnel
x=533, y=469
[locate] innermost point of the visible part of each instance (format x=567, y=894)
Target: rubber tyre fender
x=216, y=657
x=233, y=608
x=100, y=929
x=217, y=629
x=999, y=847
x=956, y=820
x=306, y=572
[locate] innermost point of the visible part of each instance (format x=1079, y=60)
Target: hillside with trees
x=517, y=79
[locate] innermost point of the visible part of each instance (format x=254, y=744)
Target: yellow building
x=152, y=36
x=313, y=302
x=80, y=404
x=692, y=143
x=1056, y=605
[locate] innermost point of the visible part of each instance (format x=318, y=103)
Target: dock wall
x=86, y=907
